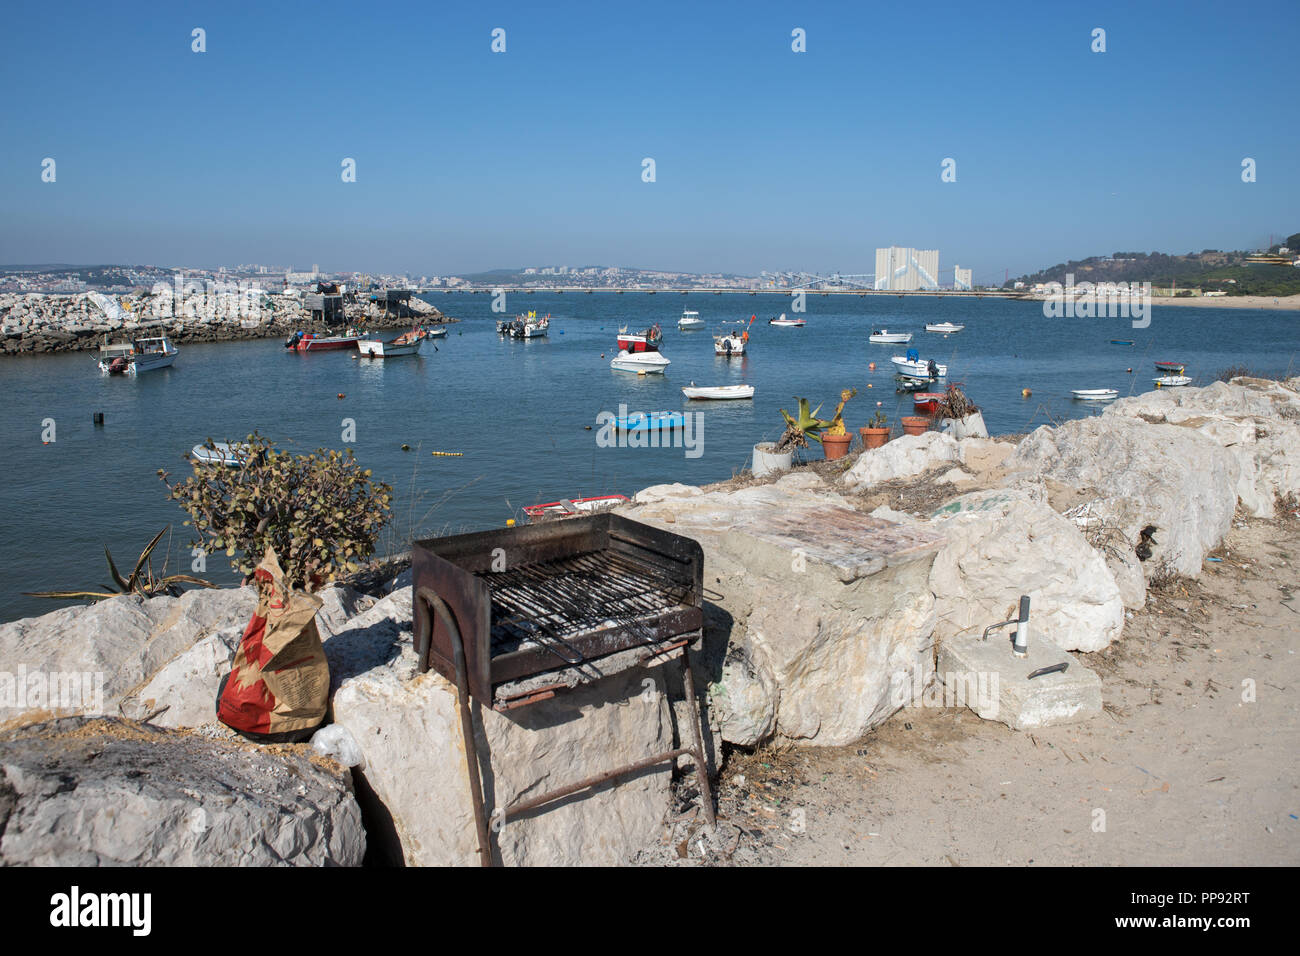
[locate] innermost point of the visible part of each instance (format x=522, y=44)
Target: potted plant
x=959, y=416
x=777, y=456
x=836, y=439
x=914, y=424
x=876, y=432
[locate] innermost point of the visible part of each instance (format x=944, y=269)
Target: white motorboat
x=141, y=355
x=944, y=327
x=718, y=392
x=1094, y=394
x=886, y=337
x=690, y=320
x=436, y=332
x=918, y=367
x=1172, y=381
x=374, y=348
x=785, y=323
x=643, y=363
x=732, y=343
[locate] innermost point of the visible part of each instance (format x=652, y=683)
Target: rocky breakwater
x=35, y=322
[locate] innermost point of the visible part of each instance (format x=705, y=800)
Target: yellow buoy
x=510, y=522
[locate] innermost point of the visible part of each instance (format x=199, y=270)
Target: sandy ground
x=1185, y=769
x=1282, y=303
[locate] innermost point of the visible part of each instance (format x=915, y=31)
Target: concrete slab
x=986, y=677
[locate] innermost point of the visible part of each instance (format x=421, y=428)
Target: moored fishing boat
x=1174, y=367
x=913, y=365
x=690, y=320
x=141, y=355
x=927, y=402
x=1094, y=394
x=886, y=337
x=315, y=342
x=647, y=340
x=570, y=507
x=717, y=392
x=643, y=363
x=530, y=326
x=219, y=453
x=945, y=327
x=782, y=322
x=406, y=344
x=1171, y=381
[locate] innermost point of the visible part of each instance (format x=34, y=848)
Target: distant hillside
x=1207, y=270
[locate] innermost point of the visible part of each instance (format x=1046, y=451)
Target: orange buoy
x=340, y=396
x=871, y=366
x=1025, y=392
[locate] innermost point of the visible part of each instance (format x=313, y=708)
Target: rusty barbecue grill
x=516, y=616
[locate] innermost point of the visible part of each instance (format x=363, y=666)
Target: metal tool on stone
x=1020, y=645
x=1052, y=669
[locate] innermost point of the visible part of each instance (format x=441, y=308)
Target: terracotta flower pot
x=836, y=446
x=873, y=437
x=914, y=424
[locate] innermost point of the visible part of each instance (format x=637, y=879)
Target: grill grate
x=551, y=603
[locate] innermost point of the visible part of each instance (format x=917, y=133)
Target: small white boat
x=944, y=327
x=643, y=363
x=437, y=332
x=690, y=320
x=1172, y=381
x=374, y=348
x=919, y=368
x=785, y=323
x=730, y=344
x=886, y=337
x=220, y=453
x=1094, y=394
x=718, y=392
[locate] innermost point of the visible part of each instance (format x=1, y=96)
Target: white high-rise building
x=961, y=279
x=907, y=270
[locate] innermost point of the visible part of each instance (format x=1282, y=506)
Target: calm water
x=517, y=410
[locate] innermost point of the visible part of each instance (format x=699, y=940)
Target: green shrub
x=320, y=512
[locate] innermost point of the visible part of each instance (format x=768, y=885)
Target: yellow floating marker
x=510, y=522
x=1025, y=392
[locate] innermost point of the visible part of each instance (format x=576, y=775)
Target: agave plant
x=808, y=425
x=142, y=581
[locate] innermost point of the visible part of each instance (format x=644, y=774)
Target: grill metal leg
x=697, y=732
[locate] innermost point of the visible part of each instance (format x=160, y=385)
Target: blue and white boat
x=650, y=421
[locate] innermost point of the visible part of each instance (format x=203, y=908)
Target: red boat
x=1176, y=367
x=927, y=402
x=572, y=507
x=312, y=342
x=646, y=340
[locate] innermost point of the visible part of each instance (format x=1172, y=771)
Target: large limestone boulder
x=1001, y=544
x=122, y=643
x=107, y=792
x=408, y=729
x=1136, y=474
x=1257, y=421
x=902, y=458
x=820, y=613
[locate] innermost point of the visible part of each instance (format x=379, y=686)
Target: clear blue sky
x=469, y=160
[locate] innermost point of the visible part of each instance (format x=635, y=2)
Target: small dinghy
x=571, y=507
x=437, y=332
x=218, y=453
x=1171, y=381
x=643, y=363
x=719, y=392
x=407, y=344
x=886, y=337
x=1121, y=341
x=1175, y=368
x=944, y=327
x=650, y=421
x=785, y=323
x=1094, y=394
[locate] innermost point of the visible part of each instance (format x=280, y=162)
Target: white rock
x=901, y=458
x=1002, y=544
